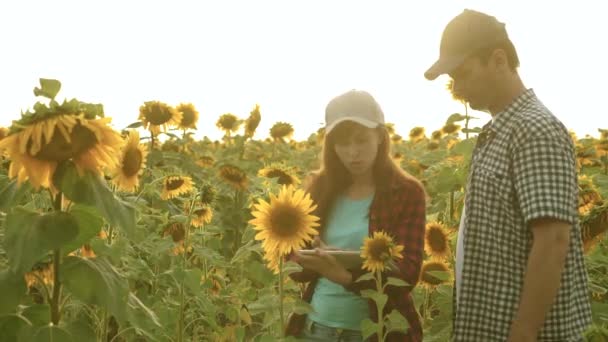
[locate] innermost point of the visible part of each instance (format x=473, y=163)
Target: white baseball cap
x=354, y=105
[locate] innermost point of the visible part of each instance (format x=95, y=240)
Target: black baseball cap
x=464, y=35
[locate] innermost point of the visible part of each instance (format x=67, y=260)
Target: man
x=520, y=273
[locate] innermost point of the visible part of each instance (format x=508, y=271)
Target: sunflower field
x=144, y=233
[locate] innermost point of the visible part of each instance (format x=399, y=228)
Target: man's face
x=475, y=83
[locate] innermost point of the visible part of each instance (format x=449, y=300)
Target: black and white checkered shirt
x=523, y=168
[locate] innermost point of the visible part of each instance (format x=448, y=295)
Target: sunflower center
x=200, y=212
x=379, y=250
x=132, y=162
x=59, y=149
x=187, y=117
x=158, y=116
x=437, y=240
x=285, y=221
x=283, y=178
x=233, y=176
x=173, y=184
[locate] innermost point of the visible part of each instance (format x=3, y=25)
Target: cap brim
x=443, y=66
x=364, y=122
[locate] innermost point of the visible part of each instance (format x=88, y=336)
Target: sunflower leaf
x=368, y=328
x=48, y=88
x=38, y=314
x=96, y=281
x=12, y=287
x=456, y=117
x=396, y=322
x=51, y=334
x=12, y=327
x=365, y=277
x=396, y=282
x=12, y=193
x=89, y=224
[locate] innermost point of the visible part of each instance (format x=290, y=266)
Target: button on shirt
x=523, y=167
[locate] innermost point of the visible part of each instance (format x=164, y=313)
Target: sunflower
x=594, y=226
x=285, y=175
x=378, y=251
x=432, y=145
x=589, y=196
x=281, y=131
x=175, y=186
x=450, y=128
x=234, y=176
x=390, y=128
x=436, y=241
x=156, y=116
x=286, y=223
x=430, y=281
x=602, y=145
x=40, y=272
x=36, y=147
x=320, y=135
x=396, y=139
x=416, y=134
x=86, y=251
x=202, y=216
x=205, y=161
x=132, y=162
x=252, y=122
x=437, y=135
x=189, y=116
x=207, y=194
x=176, y=230
x=228, y=123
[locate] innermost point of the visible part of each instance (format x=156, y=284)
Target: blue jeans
x=315, y=332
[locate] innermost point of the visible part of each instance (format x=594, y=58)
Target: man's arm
x=542, y=279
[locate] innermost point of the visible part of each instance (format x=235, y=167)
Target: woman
x=358, y=190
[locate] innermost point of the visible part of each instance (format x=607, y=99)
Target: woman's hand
x=324, y=264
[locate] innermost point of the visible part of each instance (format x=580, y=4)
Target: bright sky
x=291, y=57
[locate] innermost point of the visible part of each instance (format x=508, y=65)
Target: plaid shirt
x=523, y=167
x=401, y=212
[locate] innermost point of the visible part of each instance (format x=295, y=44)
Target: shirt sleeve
x=544, y=172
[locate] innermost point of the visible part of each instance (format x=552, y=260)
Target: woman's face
x=357, y=148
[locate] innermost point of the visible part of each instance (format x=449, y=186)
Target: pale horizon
x=289, y=57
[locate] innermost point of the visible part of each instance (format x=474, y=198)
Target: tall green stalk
x=56, y=296
x=281, y=314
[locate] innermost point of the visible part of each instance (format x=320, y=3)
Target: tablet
x=348, y=259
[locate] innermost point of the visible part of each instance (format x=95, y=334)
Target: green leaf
x=291, y=267
x=245, y=250
x=48, y=88
x=440, y=275
x=142, y=317
x=365, y=277
x=471, y=130
x=136, y=124
x=13, y=289
x=95, y=281
x=301, y=307
x=11, y=327
x=396, y=282
x=52, y=334
x=396, y=322
x=89, y=224
x=12, y=194
x=38, y=314
x=92, y=190
x=192, y=280
x=368, y=328
x=455, y=118
x=21, y=245
x=57, y=229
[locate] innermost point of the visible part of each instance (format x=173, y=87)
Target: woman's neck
x=361, y=187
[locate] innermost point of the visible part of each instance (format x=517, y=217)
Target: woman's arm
x=408, y=232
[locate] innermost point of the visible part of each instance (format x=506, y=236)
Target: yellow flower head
x=132, y=163
x=428, y=280
x=395, y=139
x=251, y=124
x=450, y=128
x=38, y=143
x=378, y=251
x=450, y=87
x=432, y=145
x=589, y=196
x=3, y=132
x=189, y=115
x=234, y=176
x=286, y=223
x=157, y=116
x=437, y=135
x=202, y=216
x=228, y=123
x=281, y=131
x=205, y=161
x=416, y=134
x=175, y=186
x=436, y=241
x=285, y=175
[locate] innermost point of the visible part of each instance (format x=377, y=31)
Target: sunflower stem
x=152, y=140
x=281, y=314
x=56, y=297
x=466, y=119
x=451, y=206
x=380, y=308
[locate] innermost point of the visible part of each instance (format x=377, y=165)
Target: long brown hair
x=332, y=177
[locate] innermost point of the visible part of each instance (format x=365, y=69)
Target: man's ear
x=500, y=60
